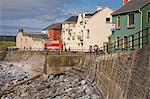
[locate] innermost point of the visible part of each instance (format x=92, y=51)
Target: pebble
x=55, y=86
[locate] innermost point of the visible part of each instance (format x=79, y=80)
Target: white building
x=69, y=33
x=97, y=28
x=72, y=32
x=30, y=41
x=85, y=30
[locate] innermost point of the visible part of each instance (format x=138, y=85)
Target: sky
x=34, y=15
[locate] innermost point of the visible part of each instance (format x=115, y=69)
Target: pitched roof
x=72, y=19
x=36, y=35
x=131, y=6
x=57, y=26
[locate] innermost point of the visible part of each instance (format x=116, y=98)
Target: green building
x=132, y=26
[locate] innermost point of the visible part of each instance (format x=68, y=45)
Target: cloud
x=41, y=13
x=31, y=13
x=46, y=9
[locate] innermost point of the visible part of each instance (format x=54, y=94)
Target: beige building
x=85, y=30
x=97, y=28
x=69, y=34
x=72, y=32
x=30, y=41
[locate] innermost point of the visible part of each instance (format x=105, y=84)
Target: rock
x=83, y=82
x=55, y=86
x=11, y=65
x=66, y=97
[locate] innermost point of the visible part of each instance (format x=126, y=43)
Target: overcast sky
x=34, y=15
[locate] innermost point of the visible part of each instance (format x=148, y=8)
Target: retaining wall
x=123, y=75
x=61, y=63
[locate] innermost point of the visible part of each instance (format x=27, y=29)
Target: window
x=117, y=42
x=88, y=35
x=132, y=41
x=58, y=37
x=118, y=22
x=79, y=37
x=124, y=42
x=68, y=38
x=21, y=40
x=73, y=38
x=131, y=20
x=78, y=44
x=25, y=40
x=107, y=20
x=69, y=32
x=148, y=16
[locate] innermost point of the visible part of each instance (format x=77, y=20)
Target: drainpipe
x=141, y=27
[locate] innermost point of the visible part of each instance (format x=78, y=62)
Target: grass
x=7, y=44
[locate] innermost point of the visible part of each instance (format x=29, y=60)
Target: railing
x=128, y=43
x=132, y=42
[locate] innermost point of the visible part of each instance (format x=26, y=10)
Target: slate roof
x=56, y=26
x=36, y=35
x=72, y=19
x=133, y=5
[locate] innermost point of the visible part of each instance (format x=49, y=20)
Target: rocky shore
x=56, y=86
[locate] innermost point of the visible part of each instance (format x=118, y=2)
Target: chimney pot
x=99, y=7
x=125, y=1
x=20, y=30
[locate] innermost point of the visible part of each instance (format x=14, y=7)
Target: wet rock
x=83, y=82
x=55, y=86
x=11, y=65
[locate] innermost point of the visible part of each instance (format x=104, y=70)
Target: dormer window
x=131, y=20
x=118, y=22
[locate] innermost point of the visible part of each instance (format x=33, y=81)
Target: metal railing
x=131, y=42
x=127, y=43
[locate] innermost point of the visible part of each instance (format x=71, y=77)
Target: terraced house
x=132, y=22
x=82, y=32
x=31, y=41
x=70, y=33
x=54, y=34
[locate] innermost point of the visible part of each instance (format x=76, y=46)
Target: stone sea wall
x=61, y=63
x=33, y=61
x=2, y=55
x=123, y=75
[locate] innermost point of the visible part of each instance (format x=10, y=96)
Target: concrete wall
x=118, y=76
x=123, y=75
x=2, y=55
x=61, y=63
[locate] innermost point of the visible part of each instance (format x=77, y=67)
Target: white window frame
x=132, y=25
x=125, y=42
x=148, y=20
x=118, y=22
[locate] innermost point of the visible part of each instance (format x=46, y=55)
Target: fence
x=128, y=43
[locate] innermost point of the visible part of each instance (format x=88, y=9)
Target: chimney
x=125, y=1
x=99, y=7
x=20, y=30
